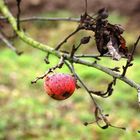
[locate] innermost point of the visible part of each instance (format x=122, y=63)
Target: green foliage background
x=26, y=112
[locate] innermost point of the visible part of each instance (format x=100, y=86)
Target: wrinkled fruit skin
x=59, y=86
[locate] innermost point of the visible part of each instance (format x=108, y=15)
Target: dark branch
x=86, y=6
x=59, y=65
x=8, y=44
x=28, y=19
x=108, y=92
x=65, y=40
x=130, y=58
x=47, y=58
x=95, y=56
x=18, y=14
x=71, y=67
x=97, y=25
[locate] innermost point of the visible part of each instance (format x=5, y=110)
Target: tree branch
x=6, y=13
x=130, y=58
x=65, y=40
x=18, y=14
x=8, y=44
x=34, y=18
x=95, y=56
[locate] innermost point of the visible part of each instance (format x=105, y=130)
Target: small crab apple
x=59, y=86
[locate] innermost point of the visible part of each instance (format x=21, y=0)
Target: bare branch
x=86, y=6
x=71, y=67
x=130, y=58
x=65, y=40
x=18, y=14
x=47, y=48
x=98, y=111
x=34, y=18
x=47, y=58
x=95, y=56
x=86, y=23
x=59, y=65
x=8, y=44
x=108, y=92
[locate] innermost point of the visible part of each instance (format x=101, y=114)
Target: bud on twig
x=85, y=40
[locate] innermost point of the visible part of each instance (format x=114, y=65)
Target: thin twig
x=74, y=49
x=34, y=18
x=46, y=48
x=18, y=14
x=35, y=44
x=130, y=58
x=47, y=58
x=59, y=65
x=108, y=92
x=71, y=67
x=92, y=122
x=84, y=40
x=8, y=44
x=65, y=40
x=95, y=56
x=86, y=6
x=98, y=109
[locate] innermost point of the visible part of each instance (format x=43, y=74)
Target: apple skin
x=59, y=86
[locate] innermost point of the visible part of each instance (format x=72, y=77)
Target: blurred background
x=27, y=113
